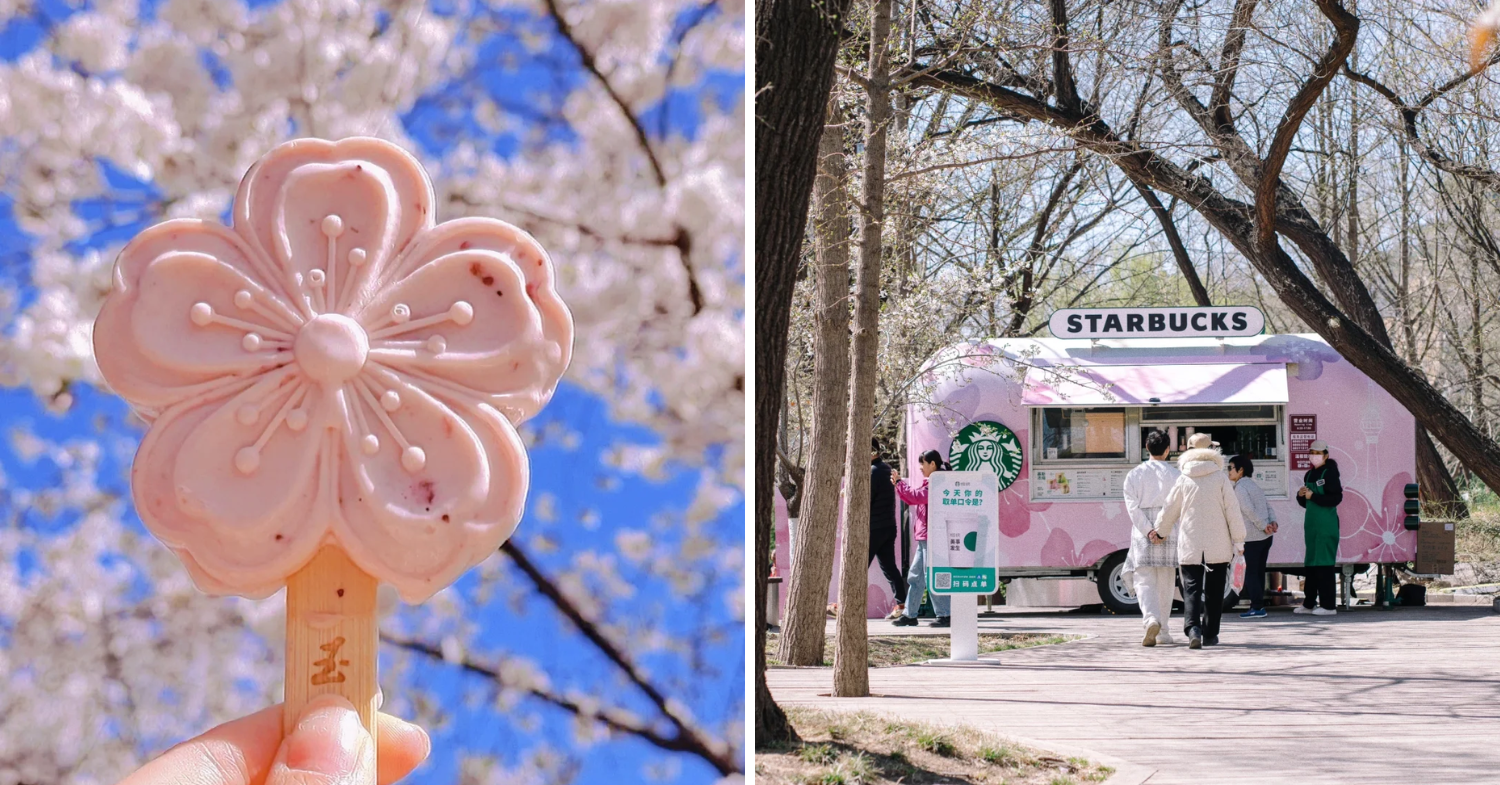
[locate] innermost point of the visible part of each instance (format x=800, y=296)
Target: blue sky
x=593, y=501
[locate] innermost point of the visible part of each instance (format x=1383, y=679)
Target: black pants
x=883, y=547
x=1320, y=586
x=1203, y=598
x=1255, y=572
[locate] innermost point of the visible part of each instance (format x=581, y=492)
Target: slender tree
x=796, y=44
x=802, y=631
x=851, y=676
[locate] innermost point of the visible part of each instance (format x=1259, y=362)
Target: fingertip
x=403, y=747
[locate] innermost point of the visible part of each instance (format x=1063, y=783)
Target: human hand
x=895, y=478
x=1271, y=528
x=1153, y=537
x=327, y=746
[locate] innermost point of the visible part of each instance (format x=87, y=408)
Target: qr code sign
x=942, y=580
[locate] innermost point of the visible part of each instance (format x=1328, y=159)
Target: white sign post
x=963, y=549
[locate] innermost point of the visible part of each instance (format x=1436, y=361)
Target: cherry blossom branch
x=714, y=751
x=615, y=719
x=686, y=736
x=566, y=31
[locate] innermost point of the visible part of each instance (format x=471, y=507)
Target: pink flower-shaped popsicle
x=335, y=369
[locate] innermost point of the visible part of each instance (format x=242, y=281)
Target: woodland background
x=941, y=171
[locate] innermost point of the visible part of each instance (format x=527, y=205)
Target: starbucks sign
x=987, y=445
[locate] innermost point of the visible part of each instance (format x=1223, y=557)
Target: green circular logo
x=971, y=540
x=987, y=445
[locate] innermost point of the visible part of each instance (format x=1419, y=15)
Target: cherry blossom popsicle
x=332, y=385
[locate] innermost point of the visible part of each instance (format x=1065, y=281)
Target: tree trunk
x=851, y=674
x=796, y=44
x=802, y=631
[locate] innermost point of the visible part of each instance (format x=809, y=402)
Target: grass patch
x=872, y=750
x=889, y=650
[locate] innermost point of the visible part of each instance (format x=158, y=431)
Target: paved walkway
x=1411, y=695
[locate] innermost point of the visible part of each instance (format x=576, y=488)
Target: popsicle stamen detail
x=413, y=458
x=460, y=313
x=204, y=315
x=246, y=300
x=333, y=227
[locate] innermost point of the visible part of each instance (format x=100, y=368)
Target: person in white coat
x=1213, y=531
x=1151, y=568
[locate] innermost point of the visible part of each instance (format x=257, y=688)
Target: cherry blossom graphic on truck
x=987, y=445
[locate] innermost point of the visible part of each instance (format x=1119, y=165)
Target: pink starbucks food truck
x=1062, y=420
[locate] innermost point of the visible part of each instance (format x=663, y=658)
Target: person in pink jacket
x=915, y=497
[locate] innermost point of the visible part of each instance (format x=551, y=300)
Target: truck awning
x=1136, y=385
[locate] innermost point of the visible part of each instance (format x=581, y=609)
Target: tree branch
x=1179, y=250
x=587, y=58
x=615, y=719
x=1408, y=113
x=1062, y=70
x=1229, y=64
x=696, y=740
x=1346, y=27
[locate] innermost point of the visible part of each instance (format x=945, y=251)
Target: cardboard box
x=1435, y=545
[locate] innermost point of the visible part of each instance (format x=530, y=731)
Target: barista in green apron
x=1320, y=495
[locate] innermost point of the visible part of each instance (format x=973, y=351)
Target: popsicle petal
x=412, y=475
x=378, y=192
x=520, y=337
x=148, y=316
x=238, y=533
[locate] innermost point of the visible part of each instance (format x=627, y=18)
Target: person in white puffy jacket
x=1213, y=532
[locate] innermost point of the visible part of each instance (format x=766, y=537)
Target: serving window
x=1251, y=431
x=1083, y=452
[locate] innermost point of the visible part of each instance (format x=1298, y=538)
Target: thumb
x=327, y=746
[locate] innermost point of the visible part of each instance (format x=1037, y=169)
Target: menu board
x=1109, y=484
x=1083, y=484
x=1302, y=433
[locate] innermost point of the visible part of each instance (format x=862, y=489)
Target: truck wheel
x=1116, y=594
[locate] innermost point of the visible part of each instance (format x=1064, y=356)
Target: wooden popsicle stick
x=331, y=636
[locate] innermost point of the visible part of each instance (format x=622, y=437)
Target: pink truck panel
x=1370, y=435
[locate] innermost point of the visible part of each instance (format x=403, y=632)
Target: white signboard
x=963, y=532
x=1222, y=322
x=1082, y=484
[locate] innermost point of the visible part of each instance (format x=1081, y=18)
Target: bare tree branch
x=1409, y=112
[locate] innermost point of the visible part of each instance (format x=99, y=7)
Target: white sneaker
x=1151, y=631
x=1323, y=612
x=1163, y=639
x=1302, y=609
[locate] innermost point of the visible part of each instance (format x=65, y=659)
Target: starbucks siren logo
x=987, y=445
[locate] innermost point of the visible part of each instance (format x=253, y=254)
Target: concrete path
x=1411, y=695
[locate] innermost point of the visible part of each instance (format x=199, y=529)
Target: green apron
x=1320, y=530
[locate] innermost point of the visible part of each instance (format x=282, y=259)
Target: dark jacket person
x=883, y=524
x=1320, y=495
